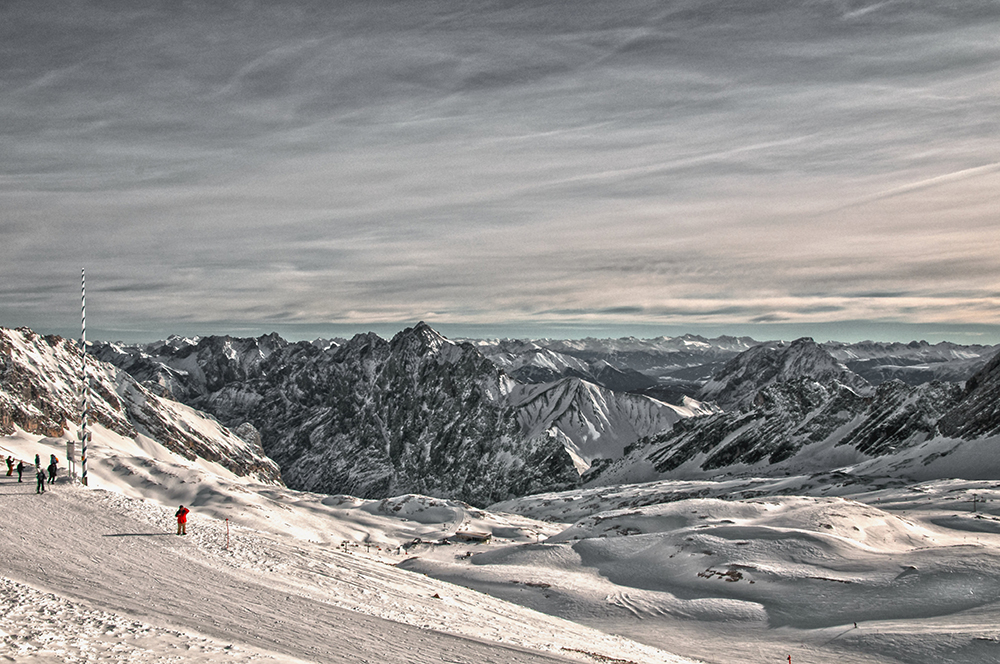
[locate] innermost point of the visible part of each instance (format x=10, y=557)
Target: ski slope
x=96, y=574
x=734, y=570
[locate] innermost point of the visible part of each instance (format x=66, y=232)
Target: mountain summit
x=741, y=379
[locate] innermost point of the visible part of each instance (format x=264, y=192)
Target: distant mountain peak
x=421, y=337
x=737, y=383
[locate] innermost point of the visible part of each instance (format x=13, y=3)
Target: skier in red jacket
x=182, y=517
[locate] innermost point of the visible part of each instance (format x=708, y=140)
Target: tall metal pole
x=84, y=433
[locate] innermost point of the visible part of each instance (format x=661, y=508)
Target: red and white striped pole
x=85, y=389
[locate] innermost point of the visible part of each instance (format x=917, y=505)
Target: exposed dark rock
x=978, y=414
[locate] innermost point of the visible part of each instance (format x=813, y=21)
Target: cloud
x=680, y=164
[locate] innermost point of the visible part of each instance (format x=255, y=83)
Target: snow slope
x=746, y=570
x=720, y=571
x=95, y=573
x=594, y=422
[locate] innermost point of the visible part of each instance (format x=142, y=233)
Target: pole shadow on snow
x=136, y=534
x=837, y=636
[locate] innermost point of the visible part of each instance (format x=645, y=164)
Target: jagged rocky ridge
x=418, y=414
x=739, y=383
x=40, y=388
x=794, y=408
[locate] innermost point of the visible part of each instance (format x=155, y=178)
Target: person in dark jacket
x=10, y=465
x=182, y=517
x=20, y=470
x=40, y=480
x=53, y=468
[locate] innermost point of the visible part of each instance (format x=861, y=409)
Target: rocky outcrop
x=978, y=414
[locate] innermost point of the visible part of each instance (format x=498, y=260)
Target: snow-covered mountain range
x=485, y=420
x=913, y=363
x=831, y=567
x=667, y=368
x=418, y=413
x=672, y=367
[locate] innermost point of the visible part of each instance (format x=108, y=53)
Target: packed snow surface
x=265, y=574
x=727, y=570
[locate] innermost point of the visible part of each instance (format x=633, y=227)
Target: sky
x=775, y=168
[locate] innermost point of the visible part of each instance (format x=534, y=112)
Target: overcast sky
x=555, y=168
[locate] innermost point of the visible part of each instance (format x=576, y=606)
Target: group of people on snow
x=40, y=473
x=53, y=470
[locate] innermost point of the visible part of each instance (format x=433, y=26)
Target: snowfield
x=96, y=574
x=715, y=571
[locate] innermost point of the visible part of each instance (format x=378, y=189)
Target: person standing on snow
x=10, y=465
x=40, y=480
x=53, y=468
x=20, y=469
x=182, y=517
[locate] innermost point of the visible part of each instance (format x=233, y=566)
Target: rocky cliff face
x=40, y=393
x=978, y=413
